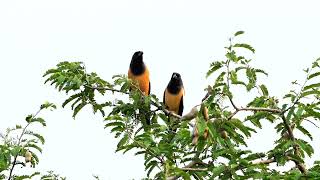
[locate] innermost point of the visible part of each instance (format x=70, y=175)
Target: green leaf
x=218, y=170
x=47, y=105
x=238, y=33
x=71, y=98
x=78, y=108
x=261, y=71
x=201, y=125
x=232, y=56
x=234, y=78
x=151, y=166
x=246, y=46
x=311, y=86
x=307, y=93
x=305, y=132
x=123, y=141
x=39, y=120
x=31, y=145
x=251, y=75
x=38, y=136
x=116, y=123
x=312, y=113
x=313, y=75
x=264, y=90
x=214, y=67
x=28, y=118
x=305, y=146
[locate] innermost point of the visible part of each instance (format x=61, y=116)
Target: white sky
x=182, y=36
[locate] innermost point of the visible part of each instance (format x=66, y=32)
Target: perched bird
x=173, y=94
x=139, y=73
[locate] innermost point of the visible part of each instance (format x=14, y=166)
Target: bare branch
x=266, y=161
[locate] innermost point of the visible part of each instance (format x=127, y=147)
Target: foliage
x=221, y=135
x=20, y=146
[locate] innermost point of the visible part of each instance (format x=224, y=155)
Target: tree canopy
x=210, y=140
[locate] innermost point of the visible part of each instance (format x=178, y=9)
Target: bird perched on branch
x=139, y=74
x=173, y=95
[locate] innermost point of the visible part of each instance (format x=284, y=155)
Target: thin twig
x=278, y=111
x=312, y=123
x=298, y=97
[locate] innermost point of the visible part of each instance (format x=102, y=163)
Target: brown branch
x=194, y=169
x=266, y=161
x=299, y=165
x=191, y=115
x=278, y=111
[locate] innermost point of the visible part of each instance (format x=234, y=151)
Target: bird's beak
x=140, y=53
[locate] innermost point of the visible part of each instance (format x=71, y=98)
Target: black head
x=175, y=83
x=137, y=66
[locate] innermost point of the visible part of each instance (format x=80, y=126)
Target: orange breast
x=172, y=101
x=142, y=80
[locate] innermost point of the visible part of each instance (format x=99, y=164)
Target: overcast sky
x=182, y=36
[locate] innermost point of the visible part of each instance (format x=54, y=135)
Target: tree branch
x=298, y=97
x=278, y=111
x=266, y=161
x=18, y=144
x=299, y=165
x=192, y=163
x=149, y=150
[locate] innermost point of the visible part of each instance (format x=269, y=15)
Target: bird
x=173, y=95
x=139, y=73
